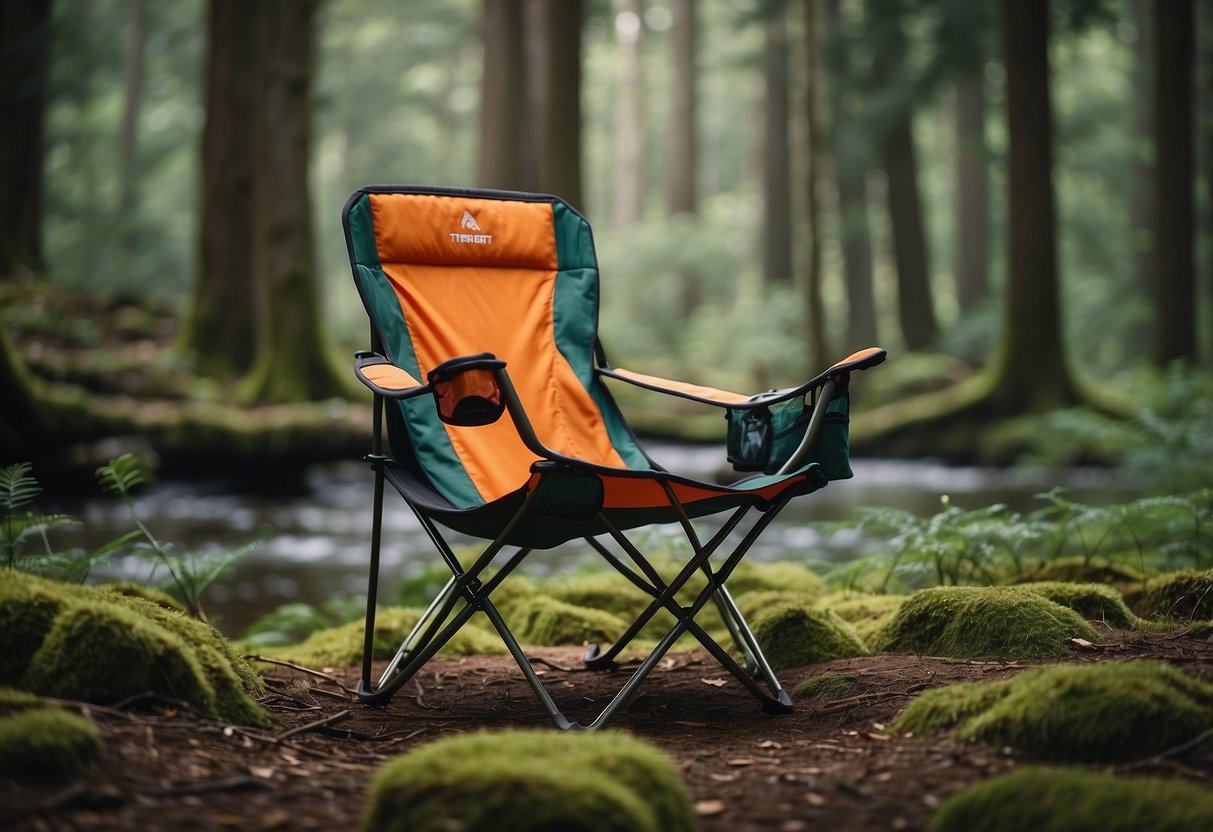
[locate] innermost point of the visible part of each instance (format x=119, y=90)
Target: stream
x=316, y=542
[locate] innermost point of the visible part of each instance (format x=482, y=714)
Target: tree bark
x=776, y=158
x=972, y=194
x=814, y=308
x=220, y=329
x=1142, y=195
x=559, y=167
x=852, y=159
x=630, y=177
x=504, y=111
x=1032, y=373
x=132, y=104
x=1174, y=224
x=682, y=148
x=293, y=359
x=25, y=45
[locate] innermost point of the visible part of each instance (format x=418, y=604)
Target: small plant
x=190, y=573
x=22, y=524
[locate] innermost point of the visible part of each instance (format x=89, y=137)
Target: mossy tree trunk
x=220, y=328
x=504, y=113
x=1174, y=223
x=682, y=139
x=776, y=153
x=972, y=192
x=25, y=43
x=1031, y=369
x=293, y=357
x=559, y=54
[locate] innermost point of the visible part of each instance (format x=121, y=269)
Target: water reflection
x=317, y=544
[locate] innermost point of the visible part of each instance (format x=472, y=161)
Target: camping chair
x=486, y=363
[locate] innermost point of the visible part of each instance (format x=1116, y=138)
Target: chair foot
x=369, y=697
x=564, y=724
x=781, y=704
x=595, y=660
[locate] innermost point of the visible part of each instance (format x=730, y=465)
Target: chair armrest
x=465, y=389
x=385, y=378
x=861, y=360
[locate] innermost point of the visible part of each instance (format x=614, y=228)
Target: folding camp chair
x=484, y=304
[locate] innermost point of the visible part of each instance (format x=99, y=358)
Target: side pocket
x=749, y=436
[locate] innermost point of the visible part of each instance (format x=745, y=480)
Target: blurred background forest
x=1013, y=198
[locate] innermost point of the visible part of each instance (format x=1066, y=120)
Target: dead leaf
x=742, y=761
x=770, y=744
x=264, y=772
x=872, y=735
x=710, y=808
x=814, y=799
x=723, y=778
x=1083, y=644
x=716, y=683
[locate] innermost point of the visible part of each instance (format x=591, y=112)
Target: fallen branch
x=1170, y=752
x=312, y=726
x=302, y=669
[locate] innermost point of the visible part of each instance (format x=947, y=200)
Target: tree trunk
x=559, y=167
x=972, y=194
x=1032, y=374
x=1142, y=182
x=132, y=103
x=776, y=158
x=851, y=163
x=1174, y=225
x=629, y=115
x=220, y=330
x=915, y=308
x=25, y=45
x=504, y=113
x=814, y=309
x=293, y=361
x=682, y=148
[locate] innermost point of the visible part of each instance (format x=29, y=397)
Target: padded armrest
x=385, y=378
x=861, y=360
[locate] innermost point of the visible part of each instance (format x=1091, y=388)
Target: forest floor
x=832, y=764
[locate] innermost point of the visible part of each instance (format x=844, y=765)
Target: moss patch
x=1105, y=711
x=546, y=622
x=81, y=643
x=606, y=591
x=982, y=623
x=1094, y=602
x=530, y=780
x=342, y=646
x=1185, y=595
x=792, y=635
x=1079, y=570
x=866, y=613
x=131, y=589
x=43, y=742
x=825, y=686
x=1055, y=800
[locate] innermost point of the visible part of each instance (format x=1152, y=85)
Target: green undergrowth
x=1067, y=800
x=44, y=742
x=518, y=781
x=131, y=589
x=825, y=686
x=1186, y=595
x=1078, y=569
x=76, y=642
x=981, y=623
x=1099, y=712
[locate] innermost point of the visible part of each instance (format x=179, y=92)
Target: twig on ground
x=301, y=669
x=312, y=726
x=1162, y=756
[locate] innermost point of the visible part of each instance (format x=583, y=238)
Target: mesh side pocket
x=831, y=450
x=748, y=440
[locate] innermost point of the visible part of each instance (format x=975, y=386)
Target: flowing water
x=317, y=541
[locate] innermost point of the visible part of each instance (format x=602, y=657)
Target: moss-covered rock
x=1184, y=595
x=100, y=647
x=1094, y=602
x=42, y=742
x=1067, y=800
x=825, y=686
x=792, y=635
x=546, y=622
x=519, y=781
x=1105, y=711
x=12, y=700
x=982, y=623
x=131, y=589
x=865, y=612
x=606, y=591
x=784, y=576
x=342, y=646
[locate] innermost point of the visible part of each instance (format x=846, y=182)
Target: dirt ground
x=828, y=765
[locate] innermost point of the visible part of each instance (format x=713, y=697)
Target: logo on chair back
x=468, y=223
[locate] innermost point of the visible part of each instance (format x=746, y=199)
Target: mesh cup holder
x=467, y=397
